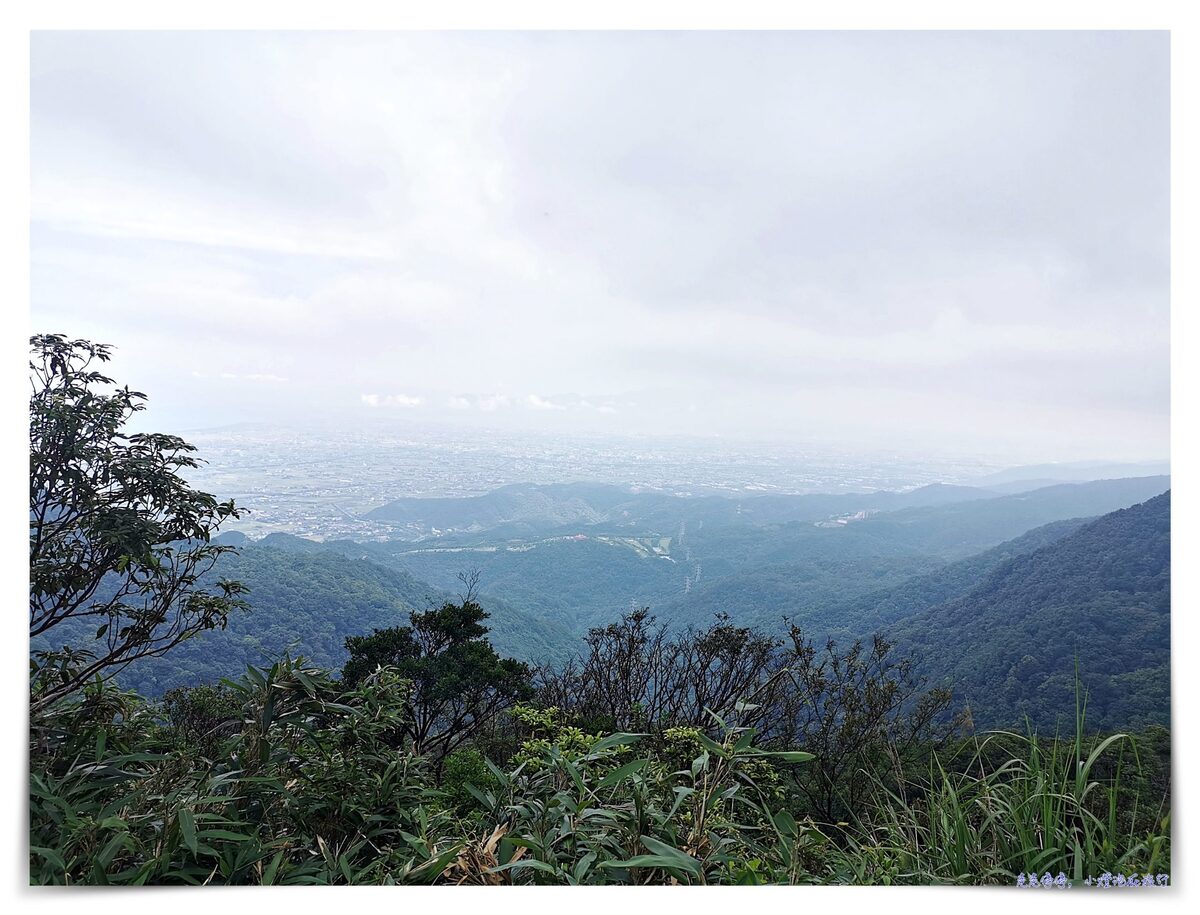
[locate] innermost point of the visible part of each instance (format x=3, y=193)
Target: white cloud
x=391, y=400
x=541, y=403
x=490, y=403
x=795, y=230
x=264, y=377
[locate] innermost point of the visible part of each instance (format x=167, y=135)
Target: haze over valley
x=693, y=531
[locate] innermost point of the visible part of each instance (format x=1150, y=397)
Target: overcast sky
x=951, y=241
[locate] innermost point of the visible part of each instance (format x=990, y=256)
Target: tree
x=634, y=674
x=861, y=711
x=459, y=683
x=118, y=540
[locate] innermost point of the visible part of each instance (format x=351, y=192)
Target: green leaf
x=794, y=756
x=623, y=772
x=615, y=740
x=581, y=868
x=51, y=856
x=268, y=878
x=743, y=742
x=224, y=834
x=115, y=844
x=576, y=777
x=785, y=823
x=664, y=855
x=663, y=861
x=187, y=829
x=525, y=862
x=712, y=746
x=432, y=869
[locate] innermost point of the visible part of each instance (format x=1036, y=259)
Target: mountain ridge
x=1099, y=597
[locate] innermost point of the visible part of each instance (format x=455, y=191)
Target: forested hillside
x=957, y=531
x=306, y=600
x=850, y=597
x=878, y=609
x=758, y=559
x=847, y=580
x=1100, y=596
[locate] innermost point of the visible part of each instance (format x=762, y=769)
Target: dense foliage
x=879, y=609
x=457, y=682
x=1099, y=597
x=118, y=540
x=308, y=601
x=289, y=776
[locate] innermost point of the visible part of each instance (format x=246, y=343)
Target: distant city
x=319, y=484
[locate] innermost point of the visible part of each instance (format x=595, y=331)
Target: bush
x=308, y=783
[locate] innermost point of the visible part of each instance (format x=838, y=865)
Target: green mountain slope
x=1100, y=595
x=526, y=509
x=881, y=608
x=960, y=530
x=720, y=559
x=308, y=599
x=847, y=578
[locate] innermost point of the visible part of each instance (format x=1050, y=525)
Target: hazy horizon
x=932, y=243
x=391, y=426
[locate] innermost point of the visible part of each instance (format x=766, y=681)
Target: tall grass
x=303, y=784
x=1021, y=804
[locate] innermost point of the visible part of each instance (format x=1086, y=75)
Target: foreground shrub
x=290, y=776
